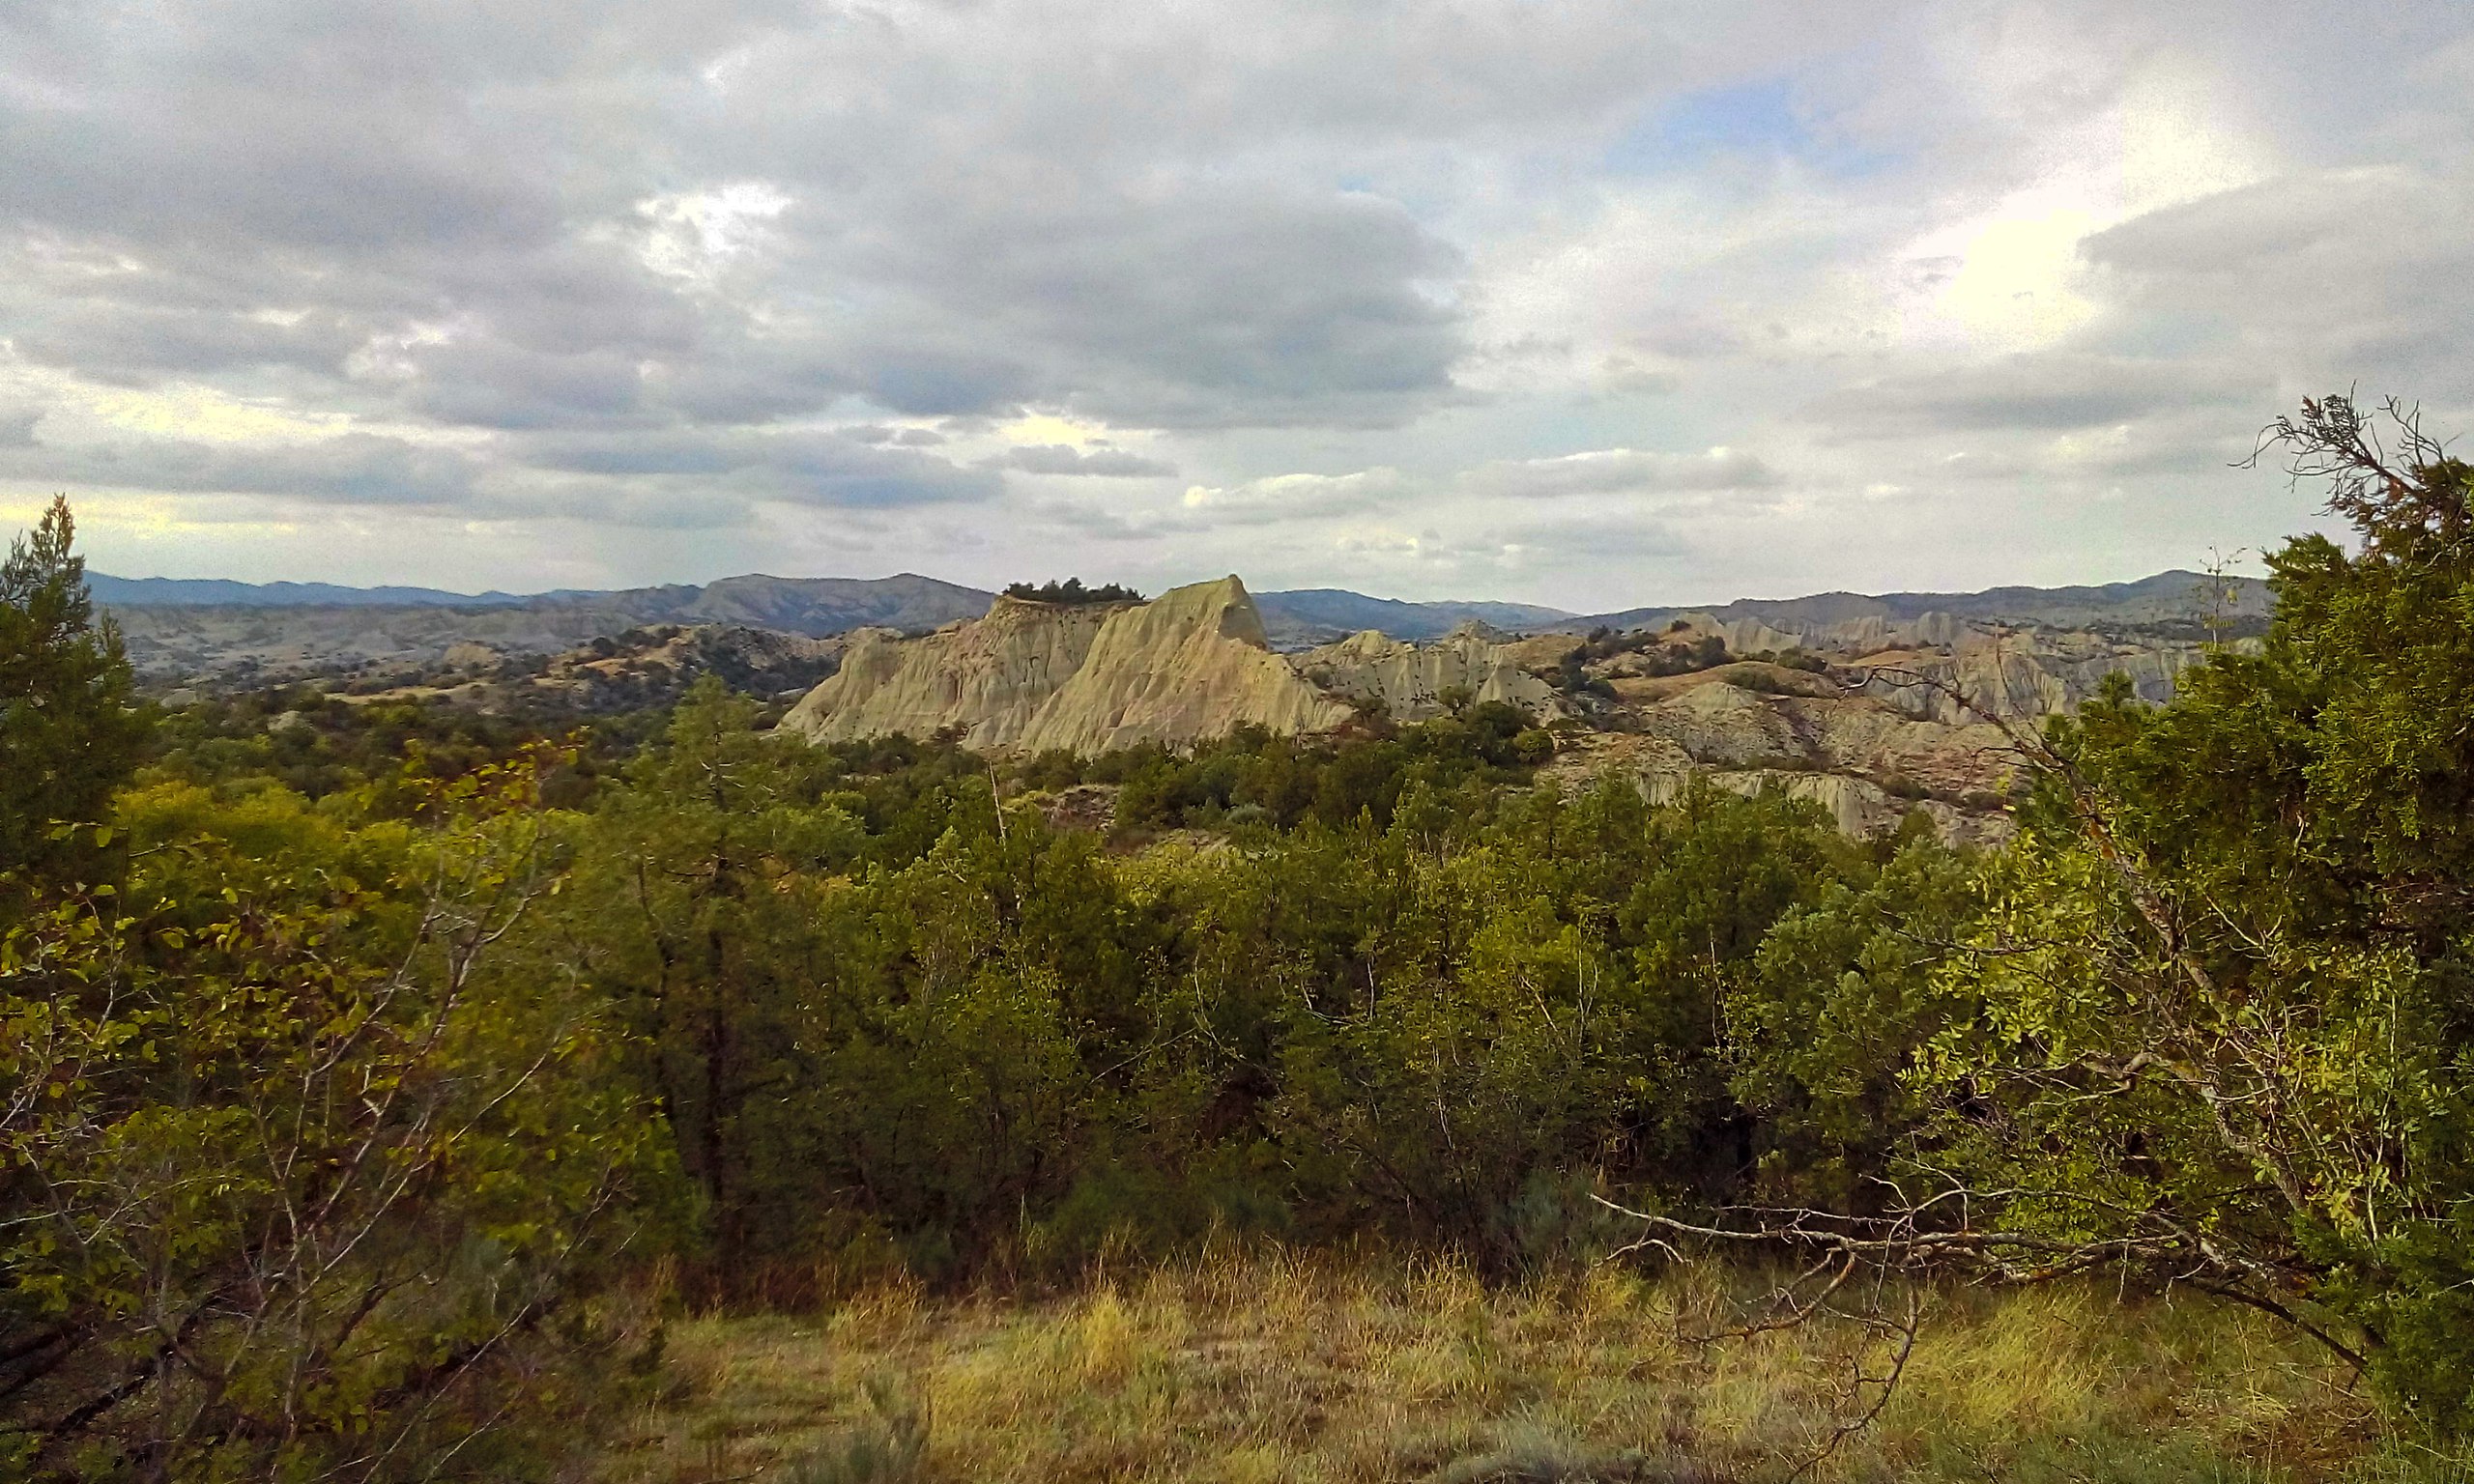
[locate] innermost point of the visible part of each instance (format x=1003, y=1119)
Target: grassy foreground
x=1275, y=1367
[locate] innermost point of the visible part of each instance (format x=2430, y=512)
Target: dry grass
x=1271, y=1366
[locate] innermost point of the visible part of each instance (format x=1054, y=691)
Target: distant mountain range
x=2167, y=597
x=226, y=631
x=216, y=592
x=814, y=606
x=1305, y=617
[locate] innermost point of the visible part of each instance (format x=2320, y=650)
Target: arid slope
x=1087, y=678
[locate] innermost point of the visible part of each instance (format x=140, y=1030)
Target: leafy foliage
x=2218, y=1023
x=298, y=1166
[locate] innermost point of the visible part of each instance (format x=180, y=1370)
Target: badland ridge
x=1874, y=707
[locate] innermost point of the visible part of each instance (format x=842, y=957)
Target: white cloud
x=1298, y=497
x=956, y=289
x=1617, y=471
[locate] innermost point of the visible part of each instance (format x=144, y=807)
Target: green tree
x=302, y=1174
x=2220, y=1026
x=696, y=915
x=67, y=735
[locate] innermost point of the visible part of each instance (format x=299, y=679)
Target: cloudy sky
x=1559, y=300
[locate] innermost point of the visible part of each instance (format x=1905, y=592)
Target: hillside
x=1307, y=617
x=270, y=634
x=219, y=634
x=2173, y=598
x=216, y=592
x=1088, y=677
x=1872, y=708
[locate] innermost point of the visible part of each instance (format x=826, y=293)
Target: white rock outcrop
x=1029, y=676
x=1411, y=679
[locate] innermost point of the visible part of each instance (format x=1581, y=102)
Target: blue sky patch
x=1758, y=118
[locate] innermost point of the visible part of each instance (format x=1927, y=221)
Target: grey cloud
x=2236, y=233
x=1693, y=334
x=1063, y=459
x=353, y=468
x=2046, y=392
x=495, y=386
x=392, y=174
x=1191, y=305
x=1623, y=376
x=903, y=437
x=438, y=209
x=829, y=467
x=1588, y=541
x=2331, y=274
x=138, y=344
x=1091, y=522
x=903, y=374
x=1607, y=472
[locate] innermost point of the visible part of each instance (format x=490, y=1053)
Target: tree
x=2227, y=979
x=67, y=736
x=695, y=915
x=2214, y=1024
x=1071, y=592
x=300, y=1175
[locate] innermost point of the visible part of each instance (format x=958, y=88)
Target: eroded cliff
x=1415, y=682
x=1030, y=677
x=989, y=675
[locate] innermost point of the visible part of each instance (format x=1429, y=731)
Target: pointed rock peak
x=1222, y=603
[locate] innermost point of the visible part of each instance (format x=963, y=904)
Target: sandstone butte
x=1029, y=676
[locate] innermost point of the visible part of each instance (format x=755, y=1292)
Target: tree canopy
x=69, y=734
x=1071, y=592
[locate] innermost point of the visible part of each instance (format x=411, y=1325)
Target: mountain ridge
x=1293, y=617
x=2174, y=593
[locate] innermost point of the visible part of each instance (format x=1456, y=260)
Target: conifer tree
x=67, y=735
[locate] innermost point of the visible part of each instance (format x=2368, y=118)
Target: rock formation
x=1864, y=762
x=2018, y=675
x=1411, y=680
x=988, y=676
x=1030, y=677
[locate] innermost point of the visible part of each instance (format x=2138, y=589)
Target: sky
x=1588, y=304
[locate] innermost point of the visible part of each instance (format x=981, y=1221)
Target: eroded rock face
x=2020, y=676
x=1868, y=723
x=989, y=675
x=1029, y=676
x=1410, y=679
x=1868, y=765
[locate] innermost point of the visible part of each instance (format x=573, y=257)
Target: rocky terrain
x=2177, y=600
x=1872, y=712
x=231, y=636
x=1417, y=682
x=1874, y=707
x=647, y=666
x=1032, y=676
x=225, y=634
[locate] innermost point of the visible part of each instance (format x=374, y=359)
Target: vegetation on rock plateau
x=393, y=1093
